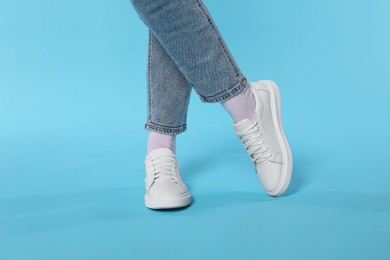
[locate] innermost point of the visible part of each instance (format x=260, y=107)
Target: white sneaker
x=264, y=139
x=164, y=187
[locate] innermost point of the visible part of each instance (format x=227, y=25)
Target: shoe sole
x=167, y=203
x=276, y=111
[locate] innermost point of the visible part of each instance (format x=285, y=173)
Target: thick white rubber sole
x=167, y=202
x=276, y=111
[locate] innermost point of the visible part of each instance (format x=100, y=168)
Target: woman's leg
x=168, y=92
x=168, y=98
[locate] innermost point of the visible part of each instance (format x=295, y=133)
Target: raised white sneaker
x=264, y=139
x=164, y=186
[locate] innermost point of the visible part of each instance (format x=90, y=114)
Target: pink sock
x=241, y=106
x=157, y=140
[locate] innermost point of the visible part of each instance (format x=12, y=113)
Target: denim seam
x=235, y=90
x=165, y=129
x=149, y=116
x=219, y=37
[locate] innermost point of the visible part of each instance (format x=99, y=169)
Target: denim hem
x=165, y=129
x=234, y=91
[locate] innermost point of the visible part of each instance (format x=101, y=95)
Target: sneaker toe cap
x=167, y=188
x=270, y=175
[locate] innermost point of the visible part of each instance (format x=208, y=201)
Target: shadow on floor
x=27, y=215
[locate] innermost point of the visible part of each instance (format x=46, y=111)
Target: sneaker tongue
x=242, y=125
x=161, y=151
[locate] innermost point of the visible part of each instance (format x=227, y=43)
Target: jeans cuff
x=168, y=130
x=234, y=91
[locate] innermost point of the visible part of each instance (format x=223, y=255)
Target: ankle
x=241, y=106
x=157, y=140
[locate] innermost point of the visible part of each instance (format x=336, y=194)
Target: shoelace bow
x=164, y=166
x=253, y=141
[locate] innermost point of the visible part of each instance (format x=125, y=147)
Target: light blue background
x=72, y=142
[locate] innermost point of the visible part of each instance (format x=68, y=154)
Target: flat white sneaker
x=164, y=186
x=264, y=139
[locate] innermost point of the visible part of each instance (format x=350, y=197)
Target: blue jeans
x=186, y=51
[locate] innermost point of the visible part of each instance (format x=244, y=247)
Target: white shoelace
x=164, y=166
x=253, y=141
